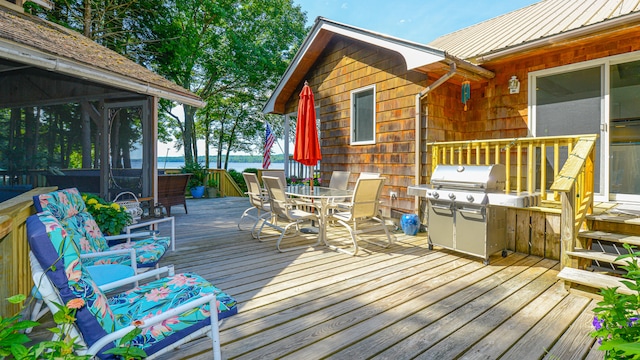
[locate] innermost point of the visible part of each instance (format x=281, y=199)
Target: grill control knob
x=470, y=198
x=436, y=195
x=452, y=196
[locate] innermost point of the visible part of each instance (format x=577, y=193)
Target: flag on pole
x=269, y=139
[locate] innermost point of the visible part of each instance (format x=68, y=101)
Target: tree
x=231, y=53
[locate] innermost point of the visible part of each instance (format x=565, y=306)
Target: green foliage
x=198, y=173
x=616, y=321
x=304, y=181
x=239, y=179
x=128, y=352
x=212, y=183
x=111, y=217
x=11, y=332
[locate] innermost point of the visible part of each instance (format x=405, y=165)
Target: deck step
x=615, y=218
x=612, y=237
x=597, y=255
x=592, y=279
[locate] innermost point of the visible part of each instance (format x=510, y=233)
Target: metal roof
x=542, y=20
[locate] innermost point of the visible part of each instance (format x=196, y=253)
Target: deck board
x=405, y=301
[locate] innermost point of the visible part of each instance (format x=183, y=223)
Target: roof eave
x=415, y=55
x=627, y=20
x=30, y=56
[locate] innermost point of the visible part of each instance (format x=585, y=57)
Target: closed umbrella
x=307, y=148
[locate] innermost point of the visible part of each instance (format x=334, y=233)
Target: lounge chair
x=69, y=208
x=170, y=311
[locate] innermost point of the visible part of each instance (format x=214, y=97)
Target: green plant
x=616, y=321
x=304, y=181
x=12, y=338
x=212, y=183
x=111, y=217
x=237, y=177
x=198, y=174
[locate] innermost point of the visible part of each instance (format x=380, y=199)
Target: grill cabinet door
x=440, y=224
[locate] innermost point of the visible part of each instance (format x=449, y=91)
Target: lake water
x=239, y=167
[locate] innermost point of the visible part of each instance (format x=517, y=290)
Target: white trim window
x=363, y=116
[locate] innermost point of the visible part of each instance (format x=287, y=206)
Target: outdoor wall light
x=514, y=85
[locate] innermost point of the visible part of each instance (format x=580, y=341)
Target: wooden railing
x=571, y=191
x=15, y=272
x=575, y=183
x=519, y=156
x=226, y=185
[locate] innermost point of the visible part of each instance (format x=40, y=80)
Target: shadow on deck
x=402, y=302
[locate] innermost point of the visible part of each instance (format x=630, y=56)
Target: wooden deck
x=403, y=302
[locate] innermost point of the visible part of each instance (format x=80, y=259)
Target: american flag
x=269, y=138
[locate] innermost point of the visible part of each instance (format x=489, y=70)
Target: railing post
x=567, y=223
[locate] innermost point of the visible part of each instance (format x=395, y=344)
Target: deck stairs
x=593, y=263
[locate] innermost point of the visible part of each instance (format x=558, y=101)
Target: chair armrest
x=137, y=234
x=165, y=270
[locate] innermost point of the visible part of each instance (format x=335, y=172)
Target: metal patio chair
x=259, y=200
x=290, y=211
x=363, y=208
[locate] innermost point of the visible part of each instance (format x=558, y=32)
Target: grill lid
x=469, y=177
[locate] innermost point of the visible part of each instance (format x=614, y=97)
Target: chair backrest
x=339, y=180
x=369, y=175
x=254, y=190
x=277, y=197
x=275, y=173
x=70, y=210
x=366, y=197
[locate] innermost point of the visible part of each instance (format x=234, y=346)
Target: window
x=363, y=116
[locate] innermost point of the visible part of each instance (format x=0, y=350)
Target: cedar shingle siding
x=345, y=66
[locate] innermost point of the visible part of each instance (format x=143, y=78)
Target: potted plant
x=110, y=217
x=198, y=175
x=212, y=188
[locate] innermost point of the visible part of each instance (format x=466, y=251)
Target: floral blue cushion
x=101, y=315
x=69, y=208
x=158, y=296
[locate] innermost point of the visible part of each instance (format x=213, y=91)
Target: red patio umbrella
x=307, y=148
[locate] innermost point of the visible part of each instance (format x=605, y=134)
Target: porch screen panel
x=570, y=103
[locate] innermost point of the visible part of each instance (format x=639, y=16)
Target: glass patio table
x=324, y=195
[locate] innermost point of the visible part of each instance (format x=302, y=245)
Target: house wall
x=492, y=112
x=345, y=66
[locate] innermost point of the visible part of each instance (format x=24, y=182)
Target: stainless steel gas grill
x=467, y=208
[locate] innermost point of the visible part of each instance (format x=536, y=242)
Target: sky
x=421, y=21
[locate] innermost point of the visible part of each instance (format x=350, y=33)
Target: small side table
x=153, y=224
